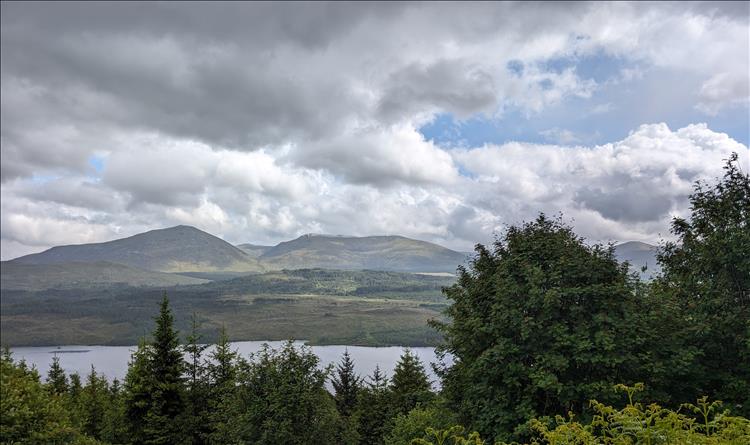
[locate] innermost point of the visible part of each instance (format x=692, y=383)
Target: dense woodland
x=553, y=341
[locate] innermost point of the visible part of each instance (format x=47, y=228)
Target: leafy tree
x=57, y=381
x=413, y=425
x=708, y=270
x=374, y=410
x=410, y=386
x=346, y=386
x=537, y=326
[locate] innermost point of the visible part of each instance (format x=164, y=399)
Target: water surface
x=112, y=361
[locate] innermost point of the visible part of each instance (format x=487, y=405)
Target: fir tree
x=94, y=402
x=197, y=392
x=410, y=385
x=137, y=393
x=167, y=403
x=57, y=381
x=346, y=385
x=374, y=410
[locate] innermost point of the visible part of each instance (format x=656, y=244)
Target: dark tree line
x=539, y=324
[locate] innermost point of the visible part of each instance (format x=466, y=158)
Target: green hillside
x=395, y=253
x=176, y=249
x=78, y=275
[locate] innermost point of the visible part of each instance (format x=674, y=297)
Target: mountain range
x=186, y=255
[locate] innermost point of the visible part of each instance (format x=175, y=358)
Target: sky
x=446, y=122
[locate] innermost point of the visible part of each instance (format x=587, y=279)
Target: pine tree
x=167, y=403
x=57, y=381
x=222, y=369
x=73, y=402
x=94, y=402
x=197, y=429
x=222, y=379
x=346, y=385
x=374, y=410
x=137, y=393
x=410, y=385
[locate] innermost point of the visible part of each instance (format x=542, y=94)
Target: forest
x=553, y=341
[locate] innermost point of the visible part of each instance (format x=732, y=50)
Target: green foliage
x=94, y=403
x=416, y=423
x=410, y=386
x=702, y=423
x=346, y=386
x=374, y=410
x=281, y=399
x=57, y=381
x=539, y=325
x=29, y=414
x=707, y=271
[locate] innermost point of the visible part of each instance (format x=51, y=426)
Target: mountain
x=388, y=253
x=176, y=249
x=77, y=275
x=253, y=250
x=639, y=254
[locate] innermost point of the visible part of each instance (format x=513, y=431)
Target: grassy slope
x=324, y=307
x=36, y=277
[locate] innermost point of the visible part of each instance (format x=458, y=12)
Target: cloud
x=723, y=90
x=639, y=181
x=261, y=121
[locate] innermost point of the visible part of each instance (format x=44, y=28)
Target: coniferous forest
x=552, y=341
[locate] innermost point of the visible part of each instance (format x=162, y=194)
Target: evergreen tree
x=57, y=381
x=346, y=385
x=137, y=393
x=28, y=415
x=281, y=398
x=197, y=391
x=166, y=404
x=410, y=386
x=374, y=410
x=94, y=402
x=115, y=429
x=221, y=371
x=73, y=402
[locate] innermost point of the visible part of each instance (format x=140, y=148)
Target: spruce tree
x=197, y=392
x=94, y=402
x=346, y=385
x=166, y=366
x=137, y=393
x=410, y=385
x=222, y=371
x=374, y=410
x=57, y=381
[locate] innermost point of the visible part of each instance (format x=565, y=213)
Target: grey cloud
x=452, y=85
x=638, y=202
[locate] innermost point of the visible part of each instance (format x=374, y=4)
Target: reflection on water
x=112, y=361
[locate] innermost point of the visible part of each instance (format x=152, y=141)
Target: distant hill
x=76, y=275
x=387, y=253
x=639, y=254
x=253, y=250
x=176, y=249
